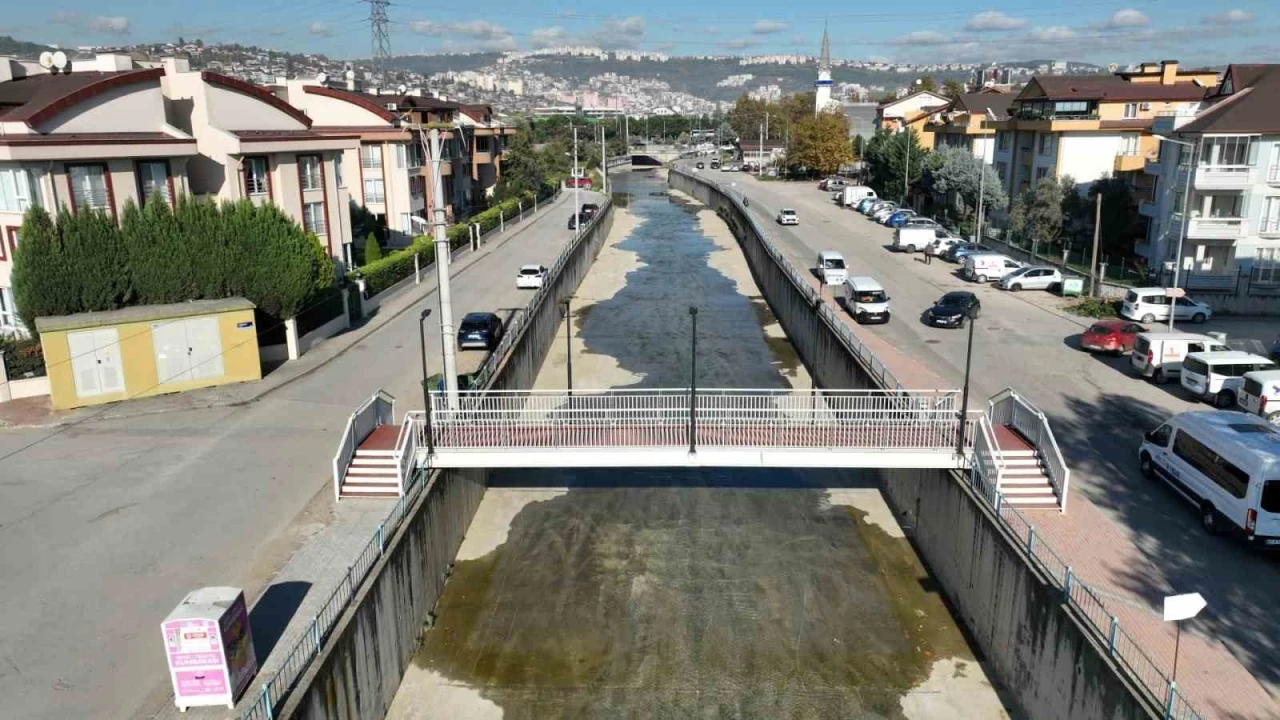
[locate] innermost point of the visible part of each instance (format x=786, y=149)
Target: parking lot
x=1098, y=410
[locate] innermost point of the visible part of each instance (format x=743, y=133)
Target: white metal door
x=110, y=365
x=173, y=361
x=95, y=362
x=204, y=340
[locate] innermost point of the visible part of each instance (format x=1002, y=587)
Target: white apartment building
x=1227, y=155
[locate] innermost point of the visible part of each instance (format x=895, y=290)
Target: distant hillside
x=432, y=64
x=20, y=48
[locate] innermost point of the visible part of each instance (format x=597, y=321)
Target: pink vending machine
x=210, y=650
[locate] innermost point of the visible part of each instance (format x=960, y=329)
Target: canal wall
x=359, y=669
x=1032, y=641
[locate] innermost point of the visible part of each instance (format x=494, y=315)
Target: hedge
x=23, y=357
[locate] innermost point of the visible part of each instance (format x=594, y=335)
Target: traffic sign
x=1183, y=607
x=1174, y=292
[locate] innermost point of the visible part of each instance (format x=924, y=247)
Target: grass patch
x=1095, y=307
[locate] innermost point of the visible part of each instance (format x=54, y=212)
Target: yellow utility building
x=101, y=357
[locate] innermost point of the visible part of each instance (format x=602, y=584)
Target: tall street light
x=964, y=397
x=693, y=378
x=568, y=341
x=1186, y=212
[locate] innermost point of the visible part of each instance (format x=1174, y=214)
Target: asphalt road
x=1096, y=407
x=106, y=525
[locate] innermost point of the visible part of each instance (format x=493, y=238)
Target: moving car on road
x=787, y=216
x=699, y=166
x=530, y=277
x=1113, y=336
x=983, y=267
x=1150, y=304
x=480, y=330
x=1260, y=395
x=589, y=209
x=1158, y=355
x=831, y=267
x=578, y=182
x=1217, y=376
x=866, y=300
x=952, y=309
x=1032, y=277
x=1225, y=464
x=577, y=218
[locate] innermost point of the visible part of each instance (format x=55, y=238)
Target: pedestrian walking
x=928, y=254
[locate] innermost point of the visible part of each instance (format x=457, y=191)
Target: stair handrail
x=406, y=447
x=991, y=457
x=379, y=409
x=1009, y=407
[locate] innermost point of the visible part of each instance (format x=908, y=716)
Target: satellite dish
x=46, y=60
x=60, y=60
x=322, y=77
x=402, y=88
x=1113, y=67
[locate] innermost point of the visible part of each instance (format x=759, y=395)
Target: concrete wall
x=1031, y=642
x=365, y=656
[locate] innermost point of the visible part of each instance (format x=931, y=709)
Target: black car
x=589, y=209
x=952, y=308
x=699, y=166
x=480, y=330
x=580, y=217
x=715, y=164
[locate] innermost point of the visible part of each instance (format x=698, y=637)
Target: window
x=1210, y=464
x=1266, y=265
x=337, y=170
x=1229, y=151
x=1041, y=173
x=1178, y=198
x=1160, y=436
x=1224, y=206
x=1130, y=111
x=1129, y=144
x=9, y=321
x=401, y=159
x=309, y=172
x=482, y=144
x=1046, y=144
x=1270, y=220
x=1002, y=169
x=406, y=225
x=1002, y=141
x=256, y=180
x=370, y=157
x=19, y=189
x=1270, y=496
x=89, y=187
x=313, y=218
x=416, y=156
x=153, y=177
x=374, y=194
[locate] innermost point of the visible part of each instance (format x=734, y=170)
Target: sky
x=1098, y=31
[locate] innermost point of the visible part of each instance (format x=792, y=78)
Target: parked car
x=579, y=217
x=735, y=168
x=530, y=277
x=899, y=218
x=578, y=182
x=831, y=267
x=1032, y=277
x=918, y=221
x=1158, y=355
x=853, y=194
x=952, y=309
x=866, y=300
x=831, y=183
x=589, y=209
x=1113, y=336
x=984, y=267
x=910, y=239
x=1260, y=395
x=480, y=330
x=715, y=164
x=1275, y=351
x=865, y=204
x=1150, y=304
x=958, y=252
x=877, y=206
x=1225, y=464
x=942, y=244
x=787, y=216
x=1217, y=376
x=700, y=166
x=884, y=211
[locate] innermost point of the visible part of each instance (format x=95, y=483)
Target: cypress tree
x=93, y=250
x=38, y=273
x=372, y=250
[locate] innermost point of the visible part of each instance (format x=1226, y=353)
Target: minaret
x=822, y=88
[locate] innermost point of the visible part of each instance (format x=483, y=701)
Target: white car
x=787, y=216
x=1151, y=304
x=531, y=277
x=1036, y=277
x=884, y=212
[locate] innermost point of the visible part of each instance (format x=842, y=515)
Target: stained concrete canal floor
x=641, y=593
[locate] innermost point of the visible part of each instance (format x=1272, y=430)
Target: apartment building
x=89, y=137
x=966, y=122
x=911, y=111
x=1227, y=155
x=254, y=145
x=1092, y=126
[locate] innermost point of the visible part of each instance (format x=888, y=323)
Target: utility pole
x=906, y=171
x=441, y=243
x=760, y=153
x=982, y=180
x=577, y=209
x=1097, y=231
x=604, y=163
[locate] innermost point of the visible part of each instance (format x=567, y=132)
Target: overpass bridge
x=1008, y=442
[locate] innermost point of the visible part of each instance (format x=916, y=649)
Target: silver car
x=1032, y=277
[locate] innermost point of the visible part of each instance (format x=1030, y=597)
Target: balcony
x=1269, y=227
x=1152, y=166
x=1223, y=177
x=1216, y=228
x=1130, y=161
x=1146, y=208
x=1273, y=174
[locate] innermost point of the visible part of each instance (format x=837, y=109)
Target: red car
x=582, y=182
x=1114, y=336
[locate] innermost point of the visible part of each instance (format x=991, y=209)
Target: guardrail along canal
x=691, y=592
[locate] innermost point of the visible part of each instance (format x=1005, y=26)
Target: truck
x=851, y=195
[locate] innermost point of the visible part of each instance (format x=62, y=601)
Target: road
x=1097, y=409
x=105, y=525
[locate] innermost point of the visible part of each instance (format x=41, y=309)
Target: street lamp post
x=426, y=393
x=964, y=397
x=568, y=342
x=693, y=379
x=577, y=209
x=1186, y=212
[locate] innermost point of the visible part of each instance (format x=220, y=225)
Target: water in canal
x=679, y=593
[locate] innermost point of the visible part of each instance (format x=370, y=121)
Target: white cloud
x=320, y=28
x=479, y=34
x=740, y=44
x=618, y=32
x=1051, y=33
x=116, y=24
x=922, y=36
x=547, y=37
x=768, y=27
x=711, y=30
x=1230, y=17
x=1127, y=18
x=993, y=21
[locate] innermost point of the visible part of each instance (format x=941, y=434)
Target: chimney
x=113, y=62
x=6, y=68
x=1148, y=68
x=1168, y=72
x=175, y=65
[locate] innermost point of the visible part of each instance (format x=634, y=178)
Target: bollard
x=520, y=206
x=417, y=273
x=535, y=203
x=502, y=226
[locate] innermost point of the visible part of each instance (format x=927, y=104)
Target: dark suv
x=480, y=330
x=581, y=217
x=590, y=209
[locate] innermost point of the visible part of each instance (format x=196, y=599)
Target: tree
x=892, y=159
x=857, y=146
x=1038, y=212
x=372, y=250
x=954, y=170
x=821, y=143
x=927, y=83
x=1120, y=224
x=952, y=88
x=38, y=272
x=522, y=168
x=160, y=257
x=746, y=116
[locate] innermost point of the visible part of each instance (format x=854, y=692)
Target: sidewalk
x=37, y=412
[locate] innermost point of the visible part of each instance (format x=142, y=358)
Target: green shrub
x=23, y=357
x=393, y=268
x=1095, y=307
x=372, y=250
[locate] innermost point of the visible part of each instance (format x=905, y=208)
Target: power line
x=381, y=37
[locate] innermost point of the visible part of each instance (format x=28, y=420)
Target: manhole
x=932, y=342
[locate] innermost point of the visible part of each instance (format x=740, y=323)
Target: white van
x=1224, y=463
x=1217, y=376
x=910, y=239
x=1151, y=304
x=831, y=267
x=866, y=300
x=989, y=266
x=1158, y=355
x=1260, y=395
x=854, y=194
